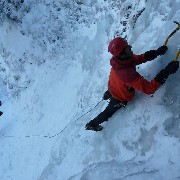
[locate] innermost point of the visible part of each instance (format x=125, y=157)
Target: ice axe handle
x=177, y=55
x=165, y=43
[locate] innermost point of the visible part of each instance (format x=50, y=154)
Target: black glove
x=107, y=95
x=150, y=55
x=162, y=76
x=1, y=113
x=172, y=67
x=161, y=50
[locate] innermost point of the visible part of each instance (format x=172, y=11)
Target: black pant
x=112, y=107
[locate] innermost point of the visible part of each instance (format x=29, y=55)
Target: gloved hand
x=150, y=55
x=107, y=95
x=162, y=50
x=172, y=67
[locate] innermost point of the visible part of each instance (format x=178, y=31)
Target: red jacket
x=123, y=77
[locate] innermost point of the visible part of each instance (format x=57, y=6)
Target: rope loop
x=51, y=136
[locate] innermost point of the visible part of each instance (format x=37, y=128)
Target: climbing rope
x=49, y=136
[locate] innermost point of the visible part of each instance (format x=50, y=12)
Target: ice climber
x=124, y=79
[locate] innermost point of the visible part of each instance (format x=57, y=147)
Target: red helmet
x=117, y=45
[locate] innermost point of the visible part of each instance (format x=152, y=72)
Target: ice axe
x=165, y=43
x=177, y=55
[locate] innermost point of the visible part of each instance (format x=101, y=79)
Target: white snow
x=54, y=68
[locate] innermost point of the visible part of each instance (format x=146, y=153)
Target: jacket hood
x=118, y=65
